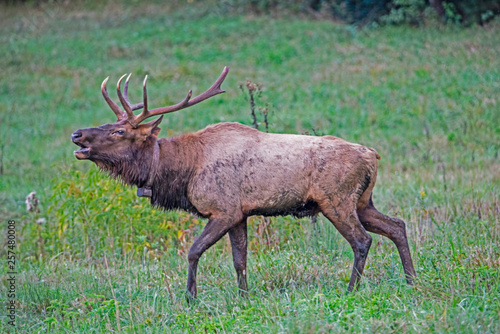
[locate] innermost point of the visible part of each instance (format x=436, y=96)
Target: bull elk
x=229, y=171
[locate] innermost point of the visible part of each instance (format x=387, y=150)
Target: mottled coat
x=228, y=171
x=250, y=172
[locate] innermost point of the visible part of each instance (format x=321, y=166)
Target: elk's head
x=108, y=144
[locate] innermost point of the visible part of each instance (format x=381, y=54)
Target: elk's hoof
x=190, y=298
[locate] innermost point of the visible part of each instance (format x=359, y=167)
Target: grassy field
x=101, y=260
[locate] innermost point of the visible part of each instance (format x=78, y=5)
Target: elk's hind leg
x=392, y=228
x=350, y=227
x=238, y=237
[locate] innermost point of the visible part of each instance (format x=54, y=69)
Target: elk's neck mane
x=176, y=167
x=133, y=167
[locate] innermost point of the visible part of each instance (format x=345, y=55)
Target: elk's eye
x=118, y=132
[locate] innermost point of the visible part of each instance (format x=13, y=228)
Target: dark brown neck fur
x=173, y=172
x=132, y=168
x=176, y=167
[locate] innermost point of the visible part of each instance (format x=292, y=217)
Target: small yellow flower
x=422, y=193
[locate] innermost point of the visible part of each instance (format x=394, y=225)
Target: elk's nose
x=76, y=135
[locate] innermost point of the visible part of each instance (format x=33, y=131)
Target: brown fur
x=228, y=171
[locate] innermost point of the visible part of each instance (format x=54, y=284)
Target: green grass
x=426, y=99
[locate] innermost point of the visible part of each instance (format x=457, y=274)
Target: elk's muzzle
x=84, y=151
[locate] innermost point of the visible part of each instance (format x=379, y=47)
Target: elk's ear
x=151, y=128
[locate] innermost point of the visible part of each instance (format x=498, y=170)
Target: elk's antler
x=129, y=108
x=120, y=114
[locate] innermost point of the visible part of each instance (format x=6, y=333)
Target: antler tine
x=125, y=94
x=145, y=94
x=146, y=113
x=126, y=105
x=187, y=102
x=214, y=90
x=116, y=109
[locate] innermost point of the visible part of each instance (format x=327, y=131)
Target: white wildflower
x=31, y=202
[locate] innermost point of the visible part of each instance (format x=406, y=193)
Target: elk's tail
x=367, y=183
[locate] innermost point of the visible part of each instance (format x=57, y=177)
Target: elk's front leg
x=213, y=231
x=238, y=237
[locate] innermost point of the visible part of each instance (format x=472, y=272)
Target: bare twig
x=254, y=89
x=265, y=111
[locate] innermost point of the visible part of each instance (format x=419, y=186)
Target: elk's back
x=275, y=174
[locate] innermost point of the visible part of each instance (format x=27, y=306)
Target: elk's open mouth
x=83, y=153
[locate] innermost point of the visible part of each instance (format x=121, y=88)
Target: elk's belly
x=302, y=209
